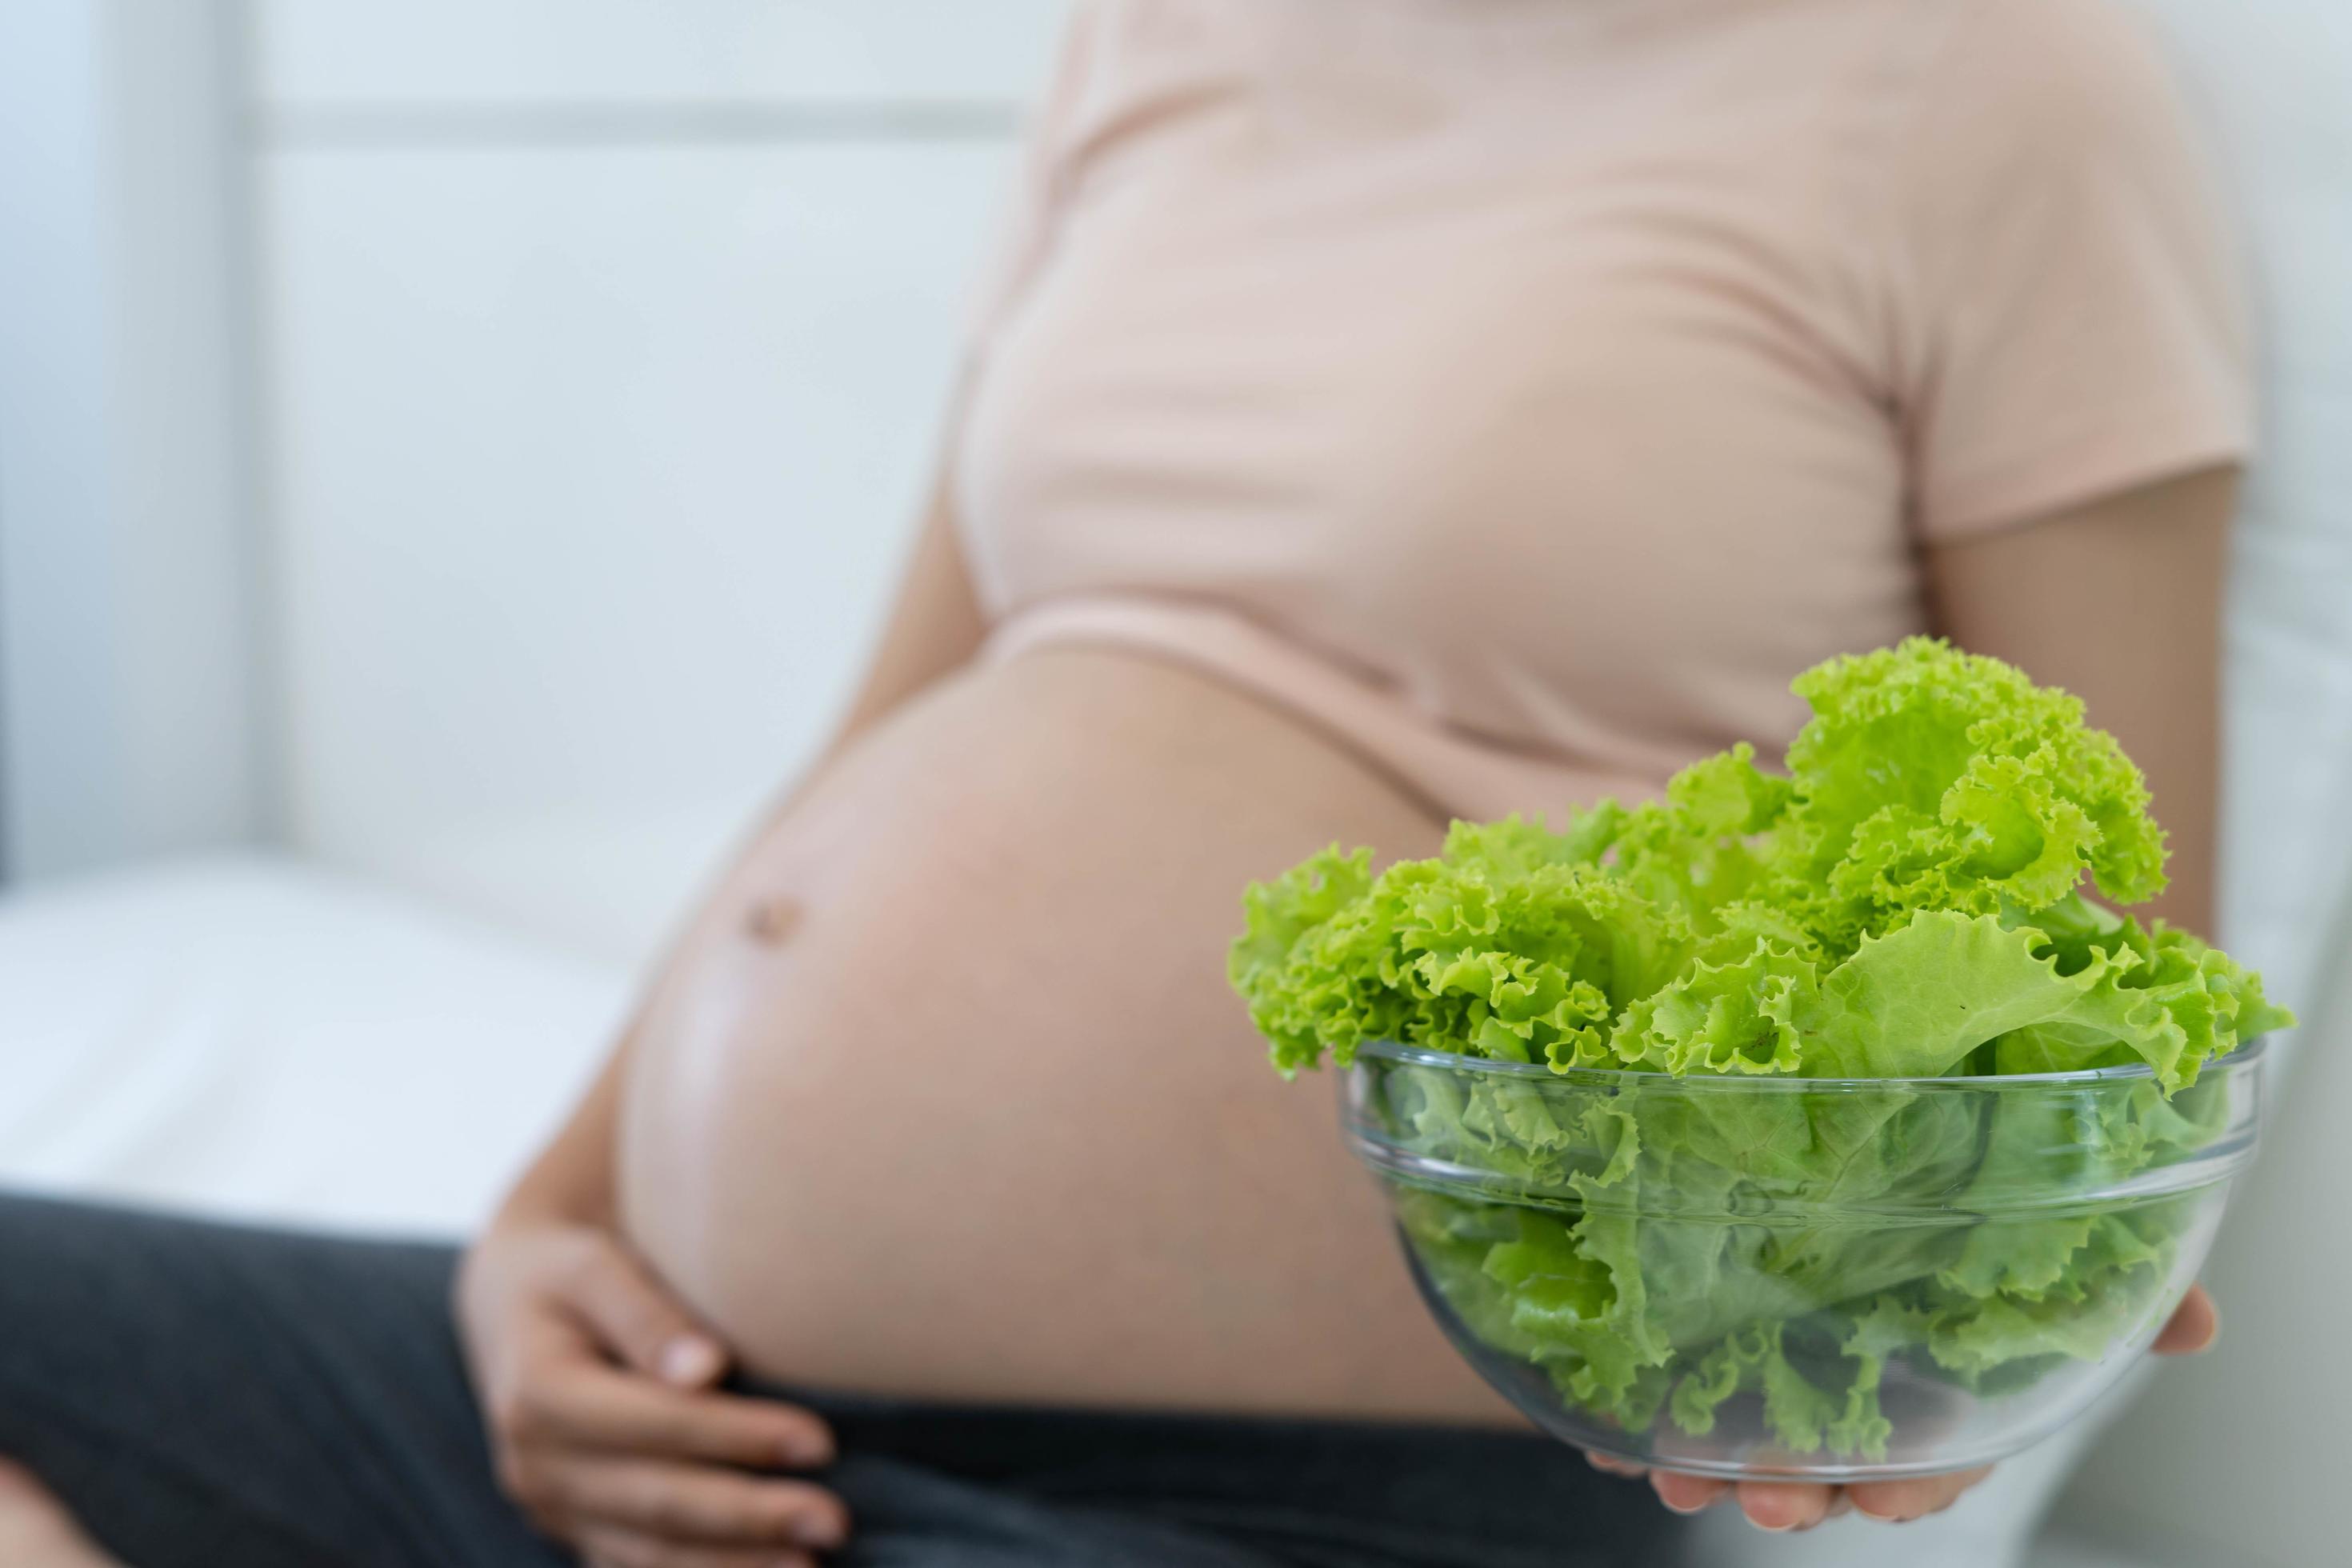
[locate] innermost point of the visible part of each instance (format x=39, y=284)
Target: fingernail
x=688, y=1360
x=804, y=1452
x=815, y=1530
x=1682, y=1507
x=1772, y=1529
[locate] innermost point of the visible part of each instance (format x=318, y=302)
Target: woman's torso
x=1410, y=406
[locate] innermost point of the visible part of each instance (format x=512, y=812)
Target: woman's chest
x=1437, y=389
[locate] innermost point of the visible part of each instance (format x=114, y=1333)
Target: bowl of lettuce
x=1812, y=1122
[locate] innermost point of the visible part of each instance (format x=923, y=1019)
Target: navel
x=769, y=921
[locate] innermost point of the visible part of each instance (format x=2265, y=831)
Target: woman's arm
x=600, y=1391
x=2120, y=602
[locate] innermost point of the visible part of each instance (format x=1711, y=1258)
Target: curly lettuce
x=1910, y=891
x=1910, y=900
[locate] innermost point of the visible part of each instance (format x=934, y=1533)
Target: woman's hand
x=1801, y=1505
x=600, y=1391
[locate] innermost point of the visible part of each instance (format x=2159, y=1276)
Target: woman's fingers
x=1785, y=1505
x=685, y=1504
x=1800, y=1505
x=632, y=1315
x=611, y=1546
x=615, y=1548
x=1687, y=1494
x=2195, y=1324
x=1769, y=1505
x=1914, y=1497
x=583, y=1404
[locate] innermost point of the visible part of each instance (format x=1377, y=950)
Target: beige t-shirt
x=1523, y=391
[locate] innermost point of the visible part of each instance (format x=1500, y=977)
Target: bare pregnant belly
x=946, y=1095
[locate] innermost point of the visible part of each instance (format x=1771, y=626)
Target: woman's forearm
x=2119, y=601
x=571, y=1179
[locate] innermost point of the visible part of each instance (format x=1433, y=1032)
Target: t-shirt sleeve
x=1023, y=228
x=2068, y=314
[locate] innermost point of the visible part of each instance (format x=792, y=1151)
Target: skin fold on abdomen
x=944, y=1093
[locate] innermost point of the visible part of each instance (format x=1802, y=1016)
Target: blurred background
x=452, y=457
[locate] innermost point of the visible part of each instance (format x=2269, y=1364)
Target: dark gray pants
x=205, y=1394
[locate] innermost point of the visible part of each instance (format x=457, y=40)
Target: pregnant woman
x=1384, y=411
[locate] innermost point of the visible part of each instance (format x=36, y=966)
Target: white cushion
x=256, y=1036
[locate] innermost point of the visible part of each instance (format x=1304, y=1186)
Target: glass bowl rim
x=2248, y=1054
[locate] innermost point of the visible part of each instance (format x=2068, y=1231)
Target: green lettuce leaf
x=1908, y=901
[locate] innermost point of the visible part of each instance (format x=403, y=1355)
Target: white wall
x=423, y=59
x=129, y=724
x=604, y=345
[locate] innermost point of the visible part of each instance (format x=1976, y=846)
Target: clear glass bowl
x=1835, y=1279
